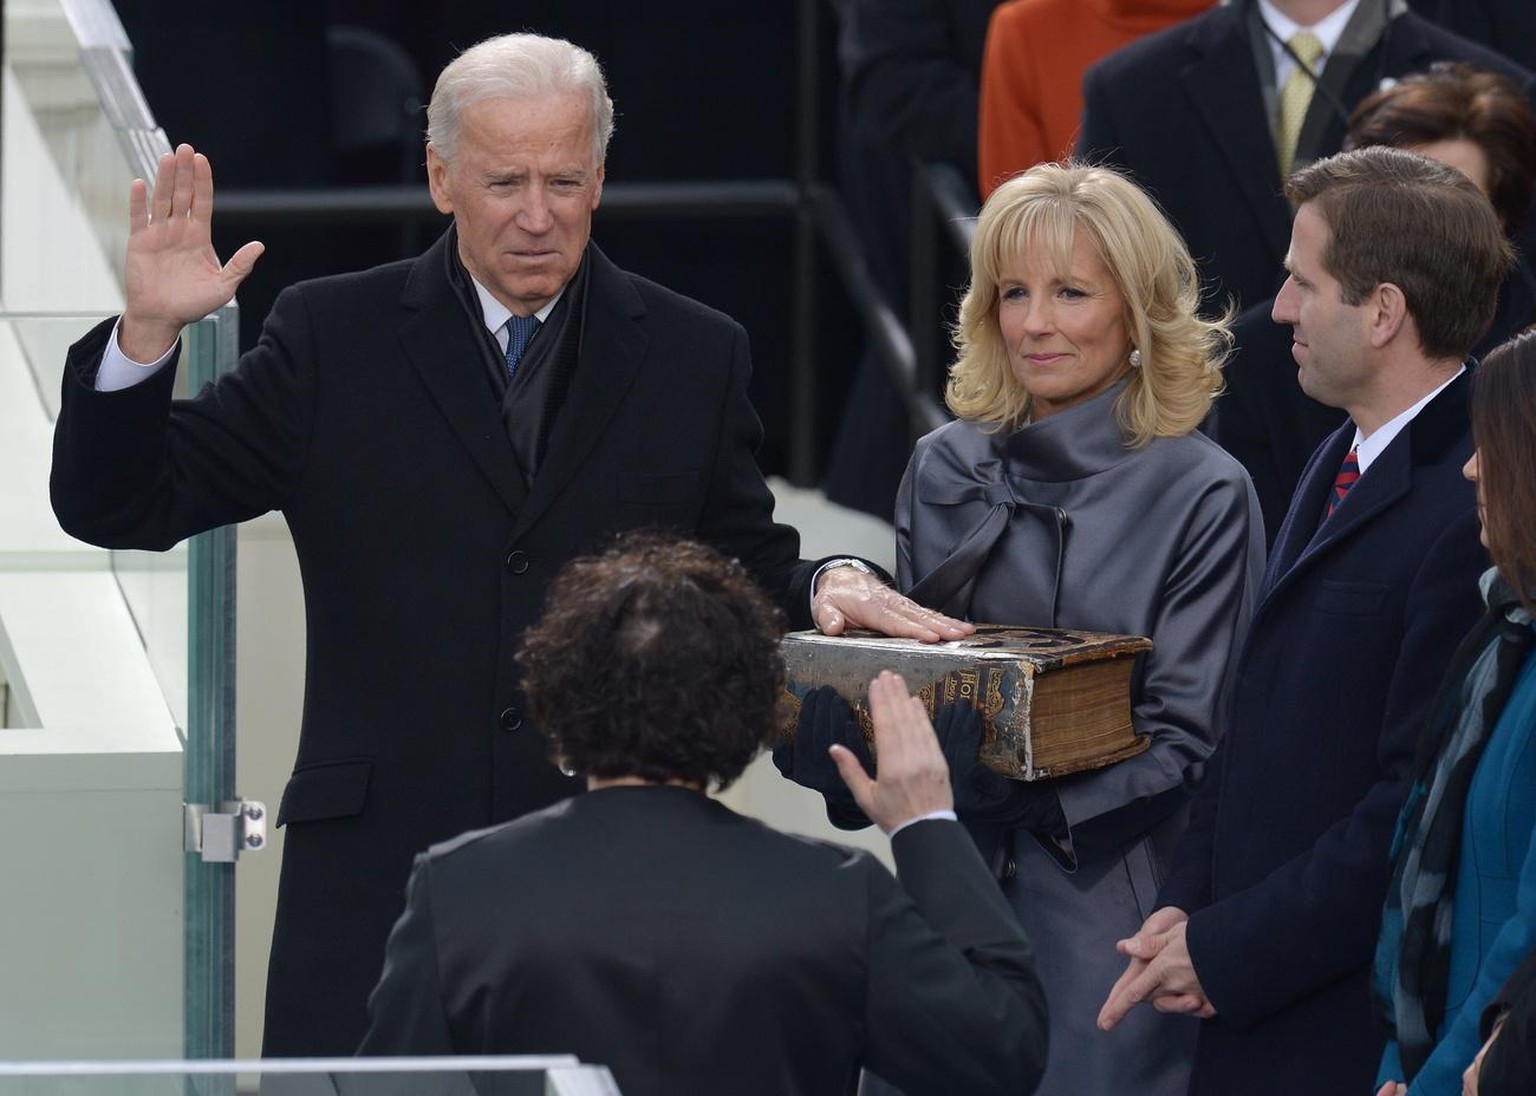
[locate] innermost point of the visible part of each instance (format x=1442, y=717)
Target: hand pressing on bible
x=848, y=597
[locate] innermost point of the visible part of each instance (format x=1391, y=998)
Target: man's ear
x=1387, y=312
x=437, y=181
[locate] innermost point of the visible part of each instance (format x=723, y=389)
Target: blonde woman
x=1075, y=492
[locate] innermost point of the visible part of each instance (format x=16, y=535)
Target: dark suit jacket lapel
x=442, y=344
x=613, y=343
x=1354, y=63
x=1301, y=517
x=1222, y=93
x=1401, y=48
x=1387, y=480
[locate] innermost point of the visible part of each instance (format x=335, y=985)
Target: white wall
x=90, y=782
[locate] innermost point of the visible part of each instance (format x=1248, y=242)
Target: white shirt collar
x=495, y=314
x=1368, y=449
x=1329, y=30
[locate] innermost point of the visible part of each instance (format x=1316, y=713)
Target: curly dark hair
x=657, y=659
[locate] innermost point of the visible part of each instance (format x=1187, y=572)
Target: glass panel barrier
x=116, y=668
x=211, y=347
x=545, y=1075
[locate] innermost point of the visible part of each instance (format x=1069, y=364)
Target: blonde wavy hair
x=1046, y=207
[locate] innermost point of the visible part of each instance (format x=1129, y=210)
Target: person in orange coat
x=1032, y=73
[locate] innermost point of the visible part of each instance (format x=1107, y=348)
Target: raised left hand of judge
x=1160, y=972
x=848, y=598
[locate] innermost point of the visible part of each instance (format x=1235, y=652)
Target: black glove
x=981, y=793
x=826, y=720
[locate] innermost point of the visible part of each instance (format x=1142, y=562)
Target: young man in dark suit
x=648, y=928
x=441, y=435
x=1267, y=923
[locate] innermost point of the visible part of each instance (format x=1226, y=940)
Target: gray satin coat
x=1164, y=541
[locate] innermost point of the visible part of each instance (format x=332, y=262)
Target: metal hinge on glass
x=239, y=825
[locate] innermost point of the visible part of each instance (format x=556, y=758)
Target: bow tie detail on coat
x=957, y=574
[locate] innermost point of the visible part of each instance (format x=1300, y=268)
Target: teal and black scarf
x=1413, y=953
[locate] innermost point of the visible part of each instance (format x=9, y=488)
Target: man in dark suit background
x=645, y=927
x=1201, y=115
x=441, y=435
x=1267, y=923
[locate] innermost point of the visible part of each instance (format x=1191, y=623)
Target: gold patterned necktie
x=1296, y=95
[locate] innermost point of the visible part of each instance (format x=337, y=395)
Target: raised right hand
x=173, y=276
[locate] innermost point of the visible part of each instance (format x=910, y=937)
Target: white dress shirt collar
x=1368, y=449
x=496, y=314
x=1329, y=30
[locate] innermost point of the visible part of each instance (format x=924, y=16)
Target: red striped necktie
x=1349, y=472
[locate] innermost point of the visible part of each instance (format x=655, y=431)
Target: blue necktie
x=520, y=332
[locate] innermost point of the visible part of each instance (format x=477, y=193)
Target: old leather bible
x=1052, y=701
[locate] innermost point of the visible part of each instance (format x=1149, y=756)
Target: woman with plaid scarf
x=1461, y=910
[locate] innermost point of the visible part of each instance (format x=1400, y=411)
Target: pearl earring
x=1135, y=358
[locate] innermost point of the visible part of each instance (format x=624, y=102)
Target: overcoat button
x=1010, y=868
x=511, y=720
x=517, y=562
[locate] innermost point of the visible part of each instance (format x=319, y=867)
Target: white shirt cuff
x=948, y=816
x=840, y=561
x=118, y=371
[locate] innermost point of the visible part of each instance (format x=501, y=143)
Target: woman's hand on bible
x=825, y=720
x=981, y=793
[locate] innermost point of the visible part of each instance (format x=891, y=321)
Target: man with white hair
x=442, y=435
